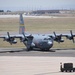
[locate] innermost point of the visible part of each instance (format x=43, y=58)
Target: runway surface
x=36, y=52
x=30, y=65
x=18, y=61
x=33, y=16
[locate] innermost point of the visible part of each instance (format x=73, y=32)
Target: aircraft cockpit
x=47, y=38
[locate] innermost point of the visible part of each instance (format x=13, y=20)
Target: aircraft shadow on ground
x=12, y=51
x=25, y=50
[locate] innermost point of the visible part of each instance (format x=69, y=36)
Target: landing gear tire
x=69, y=70
x=65, y=70
x=30, y=48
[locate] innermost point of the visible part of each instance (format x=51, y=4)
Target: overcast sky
x=36, y=4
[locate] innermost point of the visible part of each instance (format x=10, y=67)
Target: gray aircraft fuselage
x=43, y=42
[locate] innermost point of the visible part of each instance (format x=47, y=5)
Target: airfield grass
x=38, y=25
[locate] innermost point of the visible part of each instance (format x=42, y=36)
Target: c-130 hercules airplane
x=43, y=42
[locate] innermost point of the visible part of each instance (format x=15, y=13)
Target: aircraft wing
x=58, y=37
x=11, y=38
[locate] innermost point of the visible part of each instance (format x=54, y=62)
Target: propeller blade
x=25, y=38
x=10, y=39
x=72, y=35
x=54, y=34
x=24, y=35
x=71, y=32
x=8, y=34
x=73, y=40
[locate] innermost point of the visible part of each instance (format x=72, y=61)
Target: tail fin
x=21, y=27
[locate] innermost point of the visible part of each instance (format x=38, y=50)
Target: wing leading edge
x=58, y=37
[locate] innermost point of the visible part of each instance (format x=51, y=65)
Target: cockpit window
x=47, y=38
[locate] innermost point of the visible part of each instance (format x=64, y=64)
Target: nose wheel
x=30, y=48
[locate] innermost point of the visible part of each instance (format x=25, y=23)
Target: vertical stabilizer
x=21, y=27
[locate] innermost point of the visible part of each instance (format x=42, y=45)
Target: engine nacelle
x=10, y=40
x=14, y=42
x=68, y=37
x=62, y=40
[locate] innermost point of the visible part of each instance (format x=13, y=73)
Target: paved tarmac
x=18, y=61
x=31, y=65
x=37, y=52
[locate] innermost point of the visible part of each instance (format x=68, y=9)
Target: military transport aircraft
x=43, y=42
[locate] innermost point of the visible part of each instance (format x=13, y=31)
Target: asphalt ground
x=37, y=52
x=31, y=65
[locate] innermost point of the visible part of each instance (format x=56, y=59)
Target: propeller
x=58, y=38
x=9, y=39
x=25, y=38
x=55, y=34
x=5, y=38
x=8, y=35
x=72, y=37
